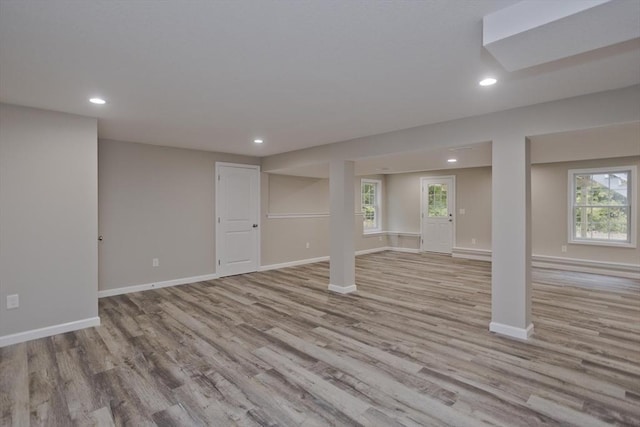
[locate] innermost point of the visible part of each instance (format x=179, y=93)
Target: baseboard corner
x=342, y=289
x=512, y=331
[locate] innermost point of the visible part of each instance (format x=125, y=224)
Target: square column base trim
x=511, y=331
x=342, y=289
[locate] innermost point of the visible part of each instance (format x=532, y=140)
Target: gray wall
x=295, y=194
x=156, y=202
x=549, y=188
x=473, y=193
x=48, y=218
x=285, y=239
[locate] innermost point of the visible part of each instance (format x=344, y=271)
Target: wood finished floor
x=411, y=348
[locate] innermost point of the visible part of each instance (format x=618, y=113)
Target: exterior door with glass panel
x=437, y=214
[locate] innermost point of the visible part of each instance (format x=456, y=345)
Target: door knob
x=100, y=238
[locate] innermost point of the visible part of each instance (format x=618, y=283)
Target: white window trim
x=633, y=206
x=378, y=182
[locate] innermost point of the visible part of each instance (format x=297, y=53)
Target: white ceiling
x=215, y=75
x=468, y=156
x=620, y=140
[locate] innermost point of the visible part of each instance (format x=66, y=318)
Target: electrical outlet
x=563, y=248
x=462, y=211
x=155, y=262
x=473, y=241
x=13, y=301
x=308, y=245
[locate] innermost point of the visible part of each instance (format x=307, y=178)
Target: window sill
x=631, y=245
x=372, y=232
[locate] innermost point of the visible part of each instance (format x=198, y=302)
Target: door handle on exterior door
x=255, y=225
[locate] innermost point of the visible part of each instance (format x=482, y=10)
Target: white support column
x=342, y=275
x=511, y=238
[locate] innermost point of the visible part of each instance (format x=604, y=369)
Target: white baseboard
x=293, y=263
x=372, y=250
x=317, y=259
x=618, y=269
x=187, y=280
x=48, y=331
x=342, y=289
x=155, y=285
x=511, y=331
x=471, y=253
x=406, y=250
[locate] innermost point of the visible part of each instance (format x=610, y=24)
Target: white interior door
x=437, y=214
x=237, y=218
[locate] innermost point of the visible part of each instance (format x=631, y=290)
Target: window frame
x=631, y=195
x=378, y=206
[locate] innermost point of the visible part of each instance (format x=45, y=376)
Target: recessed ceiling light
x=258, y=141
x=487, y=81
x=98, y=101
x=452, y=160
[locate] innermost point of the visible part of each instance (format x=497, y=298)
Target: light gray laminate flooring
x=410, y=348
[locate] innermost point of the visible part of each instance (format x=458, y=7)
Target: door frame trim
x=453, y=207
x=218, y=243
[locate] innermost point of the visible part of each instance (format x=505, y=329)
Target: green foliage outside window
x=369, y=202
x=601, y=206
x=437, y=204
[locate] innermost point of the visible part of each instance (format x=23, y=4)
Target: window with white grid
x=601, y=209
x=370, y=197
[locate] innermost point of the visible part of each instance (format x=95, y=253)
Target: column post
x=342, y=262
x=511, y=238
